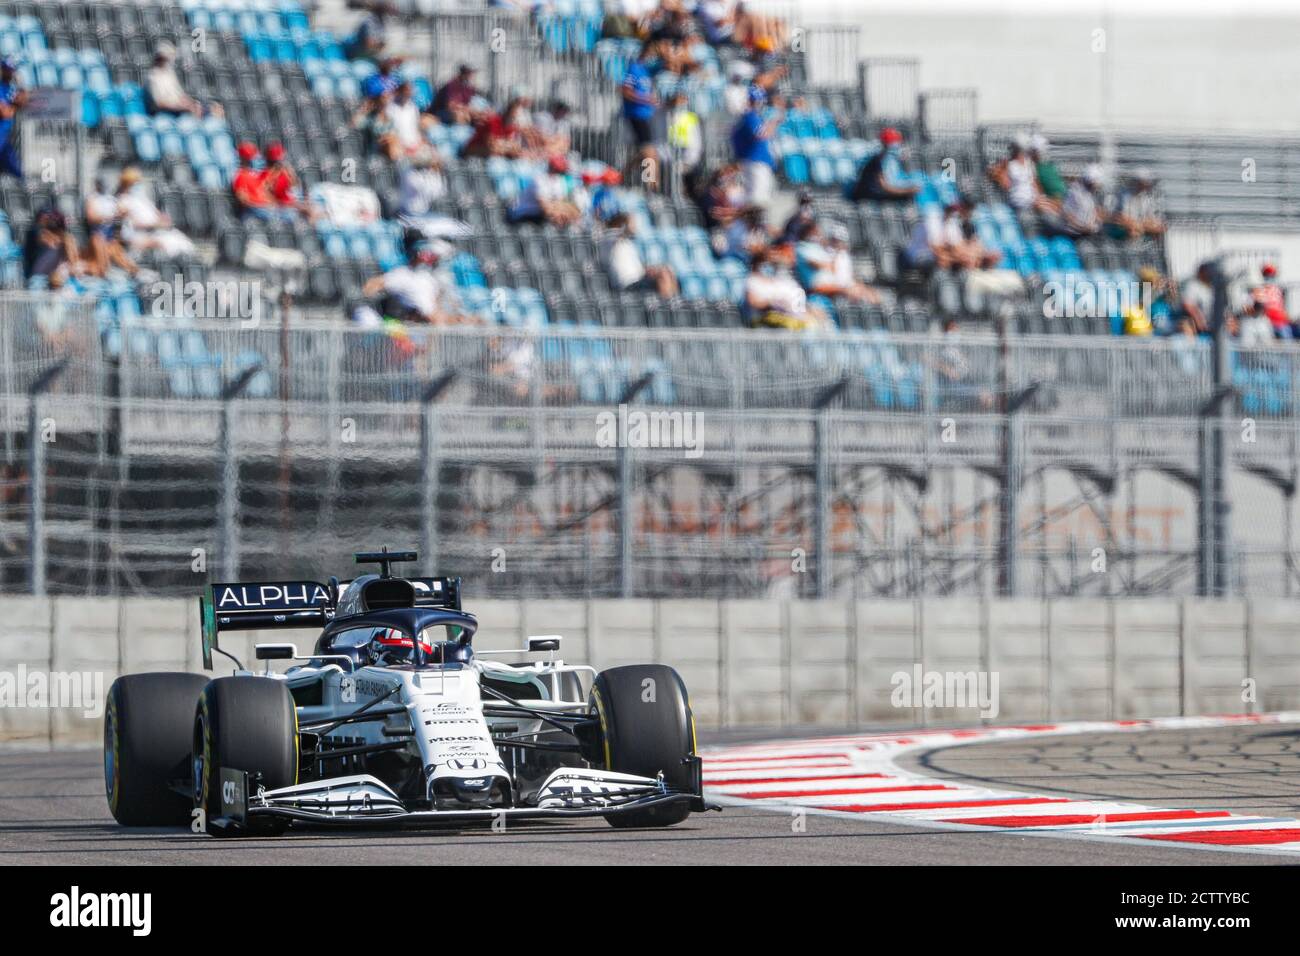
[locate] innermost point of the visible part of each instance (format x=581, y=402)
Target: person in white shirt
x=166, y=94
x=826, y=266
x=774, y=299
x=627, y=271
x=547, y=197
x=422, y=184
x=1017, y=176
x=1082, y=210
x=104, y=221
x=144, y=225
x=405, y=123
x=417, y=293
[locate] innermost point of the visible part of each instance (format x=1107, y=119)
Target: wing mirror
x=544, y=642
x=276, y=652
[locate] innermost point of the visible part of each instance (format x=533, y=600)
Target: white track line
x=856, y=777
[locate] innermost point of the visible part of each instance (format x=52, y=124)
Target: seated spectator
x=417, y=293
x=1134, y=212
x=717, y=20
x=1255, y=330
x=1082, y=212
x=1137, y=321
x=367, y=42
x=627, y=271
x=554, y=128
x=497, y=134
x=723, y=199
x=606, y=202
x=1271, y=293
x=1161, y=297
x=253, y=199
x=740, y=77
x=883, y=177
x=799, y=221
x=747, y=238
x=165, y=94
x=640, y=102
x=282, y=183
x=751, y=146
x=825, y=267
x=774, y=299
x=422, y=184
x=50, y=251
x=12, y=99
x=547, y=197
x=104, y=222
x=451, y=104
x=1050, y=181
x=1017, y=177
x=1198, y=298
x=144, y=225
x=935, y=239
x=405, y=124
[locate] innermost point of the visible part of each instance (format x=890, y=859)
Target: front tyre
x=647, y=729
x=249, y=724
x=147, y=747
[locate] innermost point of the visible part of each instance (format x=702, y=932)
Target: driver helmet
x=391, y=646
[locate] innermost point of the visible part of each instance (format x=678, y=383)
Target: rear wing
x=270, y=605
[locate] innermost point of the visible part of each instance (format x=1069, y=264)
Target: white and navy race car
x=392, y=719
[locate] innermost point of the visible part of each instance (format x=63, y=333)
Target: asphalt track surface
x=52, y=810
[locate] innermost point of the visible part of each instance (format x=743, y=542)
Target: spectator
x=497, y=134
x=422, y=184
x=1137, y=321
x=751, y=144
x=1050, y=181
x=684, y=135
x=555, y=128
x=1255, y=328
x=252, y=197
x=367, y=43
x=717, y=20
x=802, y=217
x=747, y=237
x=1134, y=213
x=825, y=267
x=606, y=202
x=773, y=299
x=453, y=100
x=935, y=239
x=405, y=124
x=144, y=225
x=640, y=103
x=1017, y=177
x=1082, y=212
x=164, y=89
x=104, y=222
x=12, y=99
x=417, y=293
x=547, y=197
x=627, y=271
x=740, y=77
x=49, y=250
x=1198, y=298
x=724, y=197
x=1273, y=296
x=1161, y=297
x=282, y=183
x=883, y=177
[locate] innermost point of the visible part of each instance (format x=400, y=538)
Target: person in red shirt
x=497, y=134
x=252, y=199
x=1273, y=296
x=281, y=183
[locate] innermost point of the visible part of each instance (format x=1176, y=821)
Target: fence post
x=230, y=473
x=625, y=488
x=430, y=468
x=36, y=476
x=824, y=580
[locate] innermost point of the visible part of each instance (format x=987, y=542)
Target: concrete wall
x=763, y=663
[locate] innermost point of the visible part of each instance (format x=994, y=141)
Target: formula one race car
x=393, y=718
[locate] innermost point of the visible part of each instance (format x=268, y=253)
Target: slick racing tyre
x=147, y=747
x=647, y=728
x=249, y=724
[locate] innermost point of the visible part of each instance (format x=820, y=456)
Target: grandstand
x=903, y=456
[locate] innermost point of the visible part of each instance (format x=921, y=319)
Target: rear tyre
x=249, y=724
x=647, y=729
x=147, y=747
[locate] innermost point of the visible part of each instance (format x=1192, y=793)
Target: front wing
x=364, y=799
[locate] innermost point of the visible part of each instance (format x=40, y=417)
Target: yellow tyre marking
x=604, y=726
